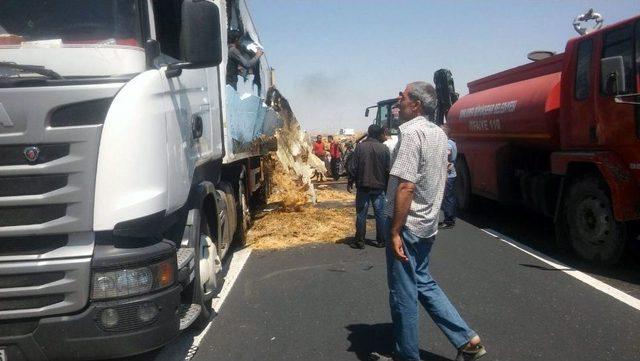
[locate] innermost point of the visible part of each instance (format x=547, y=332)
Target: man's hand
x=396, y=247
x=259, y=53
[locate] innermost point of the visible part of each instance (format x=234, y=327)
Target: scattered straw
x=283, y=228
x=279, y=230
x=330, y=194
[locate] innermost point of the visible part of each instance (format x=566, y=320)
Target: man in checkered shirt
x=415, y=192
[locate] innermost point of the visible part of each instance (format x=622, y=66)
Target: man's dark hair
x=233, y=35
x=374, y=131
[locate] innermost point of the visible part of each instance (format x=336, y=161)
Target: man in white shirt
x=414, y=195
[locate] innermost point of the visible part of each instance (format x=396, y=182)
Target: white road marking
x=599, y=285
x=183, y=349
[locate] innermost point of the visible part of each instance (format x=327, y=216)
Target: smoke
x=328, y=101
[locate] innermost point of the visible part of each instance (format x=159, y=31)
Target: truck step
x=188, y=314
x=186, y=264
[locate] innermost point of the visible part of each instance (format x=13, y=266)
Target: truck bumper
x=81, y=336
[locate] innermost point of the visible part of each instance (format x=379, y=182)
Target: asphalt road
x=329, y=302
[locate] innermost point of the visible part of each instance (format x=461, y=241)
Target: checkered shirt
x=420, y=157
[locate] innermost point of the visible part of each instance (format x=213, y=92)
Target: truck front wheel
x=593, y=232
x=463, y=185
x=207, y=266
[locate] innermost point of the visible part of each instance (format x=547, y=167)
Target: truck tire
x=227, y=233
x=592, y=230
x=243, y=216
x=206, y=281
x=463, y=185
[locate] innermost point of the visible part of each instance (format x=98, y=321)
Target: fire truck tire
x=592, y=230
x=463, y=185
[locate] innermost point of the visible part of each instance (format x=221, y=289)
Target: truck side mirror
x=612, y=76
x=366, y=112
x=200, y=37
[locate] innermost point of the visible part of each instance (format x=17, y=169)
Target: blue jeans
x=411, y=282
x=377, y=199
x=449, y=202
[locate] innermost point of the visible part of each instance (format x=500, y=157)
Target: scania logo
x=31, y=153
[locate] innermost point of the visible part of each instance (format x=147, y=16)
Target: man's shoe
x=471, y=353
x=357, y=244
x=374, y=356
x=443, y=225
x=377, y=244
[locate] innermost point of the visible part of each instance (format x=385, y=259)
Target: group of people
x=330, y=153
x=369, y=169
x=406, y=186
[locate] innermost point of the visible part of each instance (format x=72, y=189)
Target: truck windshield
x=80, y=22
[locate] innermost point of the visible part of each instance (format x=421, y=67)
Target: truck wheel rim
x=208, y=255
x=593, y=221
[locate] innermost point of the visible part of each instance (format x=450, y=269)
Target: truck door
x=192, y=107
x=582, y=132
x=618, y=123
x=382, y=117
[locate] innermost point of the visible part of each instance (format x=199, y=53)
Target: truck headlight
x=131, y=282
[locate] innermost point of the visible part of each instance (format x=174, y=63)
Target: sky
x=333, y=58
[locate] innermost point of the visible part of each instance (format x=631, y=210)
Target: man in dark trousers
x=369, y=169
x=450, y=203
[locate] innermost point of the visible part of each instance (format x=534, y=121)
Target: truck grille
x=14, y=154
x=30, y=280
x=20, y=216
x=20, y=303
x=46, y=204
x=31, y=185
x=30, y=246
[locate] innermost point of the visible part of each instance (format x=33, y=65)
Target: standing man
x=237, y=59
x=369, y=169
x=415, y=191
x=336, y=154
x=389, y=140
x=318, y=147
x=450, y=203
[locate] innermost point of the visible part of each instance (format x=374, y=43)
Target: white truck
x=127, y=165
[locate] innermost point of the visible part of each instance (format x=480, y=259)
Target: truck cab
x=121, y=184
x=560, y=135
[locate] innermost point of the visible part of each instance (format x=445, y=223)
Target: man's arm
x=406, y=170
x=403, y=199
x=352, y=169
x=237, y=55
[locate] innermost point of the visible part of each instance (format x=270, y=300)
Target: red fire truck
x=561, y=135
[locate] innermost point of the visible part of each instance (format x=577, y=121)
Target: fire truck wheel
x=463, y=185
x=594, y=233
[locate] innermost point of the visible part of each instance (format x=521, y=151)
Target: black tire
x=592, y=230
x=463, y=185
x=232, y=204
x=195, y=291
x=243, y=216
x=227, y=233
